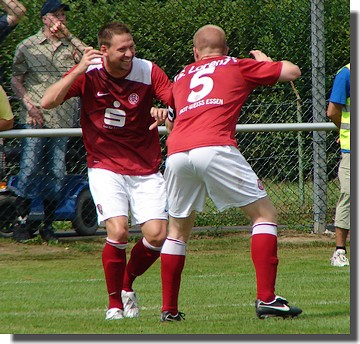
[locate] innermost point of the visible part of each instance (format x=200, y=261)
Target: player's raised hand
x=260, y=56
x=90, y=56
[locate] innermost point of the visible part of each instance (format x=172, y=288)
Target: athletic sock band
x=174, y=247
x=149, y=246
x=119, y=245
x=264, y=228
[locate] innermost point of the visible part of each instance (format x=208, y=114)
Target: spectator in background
x=203, y=160
x=15, y=10
x=39, y=61
x=6, y=123
x=117, y=92
x=339, y=113
x=6, y=115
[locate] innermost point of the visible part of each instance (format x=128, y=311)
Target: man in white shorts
x=203, y=160
x=123, y=155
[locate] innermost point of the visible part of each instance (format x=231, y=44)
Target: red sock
x=142, y=256
x=114, y=262
x=264, y=256
x=172, y=265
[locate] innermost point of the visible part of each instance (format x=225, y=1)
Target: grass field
x=60, y=289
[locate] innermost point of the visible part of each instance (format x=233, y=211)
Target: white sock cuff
x=264, y=228
x=149, y=246
x=119, y=245
x=174, y=246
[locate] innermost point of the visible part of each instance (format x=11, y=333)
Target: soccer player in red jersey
x=123, y=156
x=203, y=160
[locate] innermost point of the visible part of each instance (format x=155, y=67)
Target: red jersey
x=115, y=117
x=208, y=96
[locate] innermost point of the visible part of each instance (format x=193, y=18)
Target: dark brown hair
x=109, y=30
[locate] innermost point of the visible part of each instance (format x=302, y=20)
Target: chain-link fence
x=297, y=167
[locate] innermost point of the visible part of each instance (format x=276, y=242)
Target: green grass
x=60, y=289
x=287, y=200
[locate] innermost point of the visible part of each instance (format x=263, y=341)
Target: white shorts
x=117, y=195
x=220, y=172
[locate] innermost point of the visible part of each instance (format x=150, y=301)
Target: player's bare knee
x=154, y=232
x=261, y=210
x=117, y=229
x=156, y=238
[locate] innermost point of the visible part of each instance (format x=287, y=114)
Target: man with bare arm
x=39, y=61
x=203, y=160
x=117, y=90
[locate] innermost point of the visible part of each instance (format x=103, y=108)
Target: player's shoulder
x=142, y=63
x=96, y=65
x=246, y=61
x=143, y=71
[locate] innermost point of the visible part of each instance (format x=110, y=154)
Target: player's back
x=208, y=95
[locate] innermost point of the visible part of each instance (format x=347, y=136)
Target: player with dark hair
x=203, y=160
x=123, y=155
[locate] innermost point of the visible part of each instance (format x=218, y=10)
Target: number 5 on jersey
x=199, y=79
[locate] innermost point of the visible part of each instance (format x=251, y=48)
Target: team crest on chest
x=133, y=98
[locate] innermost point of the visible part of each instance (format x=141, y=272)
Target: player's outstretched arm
x=289, y=71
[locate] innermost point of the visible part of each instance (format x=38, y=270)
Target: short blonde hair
x=210, y=37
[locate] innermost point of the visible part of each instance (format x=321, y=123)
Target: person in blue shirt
x=15, y=10
x=338, y=112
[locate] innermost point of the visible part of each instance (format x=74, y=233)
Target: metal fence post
x=319, y=113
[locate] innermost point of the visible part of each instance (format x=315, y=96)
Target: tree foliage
x=163, y=31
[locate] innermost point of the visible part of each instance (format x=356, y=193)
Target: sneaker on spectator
x=47, y=234
x=130, y=302
x=114, y=314
x=21, y=232
x=339, y=258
